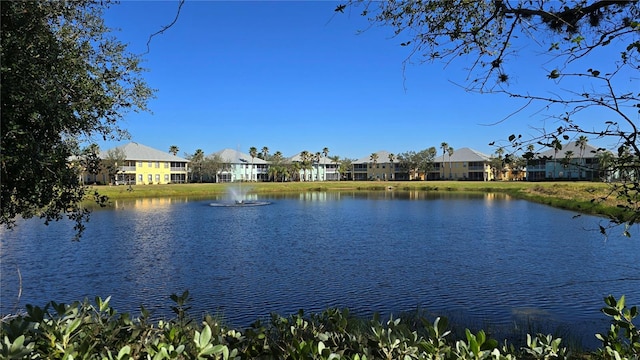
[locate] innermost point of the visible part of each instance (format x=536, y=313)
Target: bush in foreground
x=88, y=331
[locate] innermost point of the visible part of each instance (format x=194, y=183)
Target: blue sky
x=296, y=76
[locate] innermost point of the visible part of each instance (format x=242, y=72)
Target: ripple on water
x=489, y=262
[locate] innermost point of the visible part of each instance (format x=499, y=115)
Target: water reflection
x=486, y=258
x=147, y=203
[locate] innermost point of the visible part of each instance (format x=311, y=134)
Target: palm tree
x=444, y=146
x=605, y=165
x=335, y=160
x=391, y=158
x=528, y=156
x=557, y=146
x=304, y=159
x=374, y=159
x=265, y=152
x=253, y=152
x=173, y=150
x=450, y=152
x=276, y=162
x=568, y=156
x=325, y=152
x=317, y=158
x=196, y=160
x=581, y=143
x=499, y=152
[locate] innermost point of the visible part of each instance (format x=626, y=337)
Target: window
x=149, y=164
x=157, y=164
x=140, y=165
x=166, y=165
x=150, y=178
x=158, y=178
x=166, y=178
x=140, y=178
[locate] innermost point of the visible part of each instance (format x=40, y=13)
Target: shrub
x=96, y=331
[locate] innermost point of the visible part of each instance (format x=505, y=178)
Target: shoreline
x=585, y=197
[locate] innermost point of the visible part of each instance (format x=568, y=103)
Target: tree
x=276, y=168
x=336, y=161
x=518, y=165
x=113, y=162
x=568, y=158
x=174, y=150
x=415, y=163
x=581, y=143
x=409, y=163
x=374, y=159
x=306, y=159
x=605, y=165
x=450, y=153
x=557, y=146
x=213, y=165
x=325, y=152
x=391, y=168
x=253, y=152
x=317, y=158
x=197, y=165
x=346, y=167
x=497, y=163
x=90, y=160
x=265, y=152
x=586, y=50
x=444, y=146
x=425, y=159
x=65, y=79
x=294, y=168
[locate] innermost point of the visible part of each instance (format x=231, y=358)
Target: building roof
x=323, y=160
x=383, y=157
x=589, y=151
x=464, y=155
x=236, y=157
x=138, y=152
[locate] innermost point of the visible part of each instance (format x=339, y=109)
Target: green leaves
x=83, y=330
x=64, y=76
x=623, y=337
x=15, y=349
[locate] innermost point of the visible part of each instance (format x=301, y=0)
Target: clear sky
x=295, y=76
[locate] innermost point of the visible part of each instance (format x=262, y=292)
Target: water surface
x=485, y=259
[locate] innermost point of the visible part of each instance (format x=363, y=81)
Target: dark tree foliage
x=65, y=80
x=492, y=35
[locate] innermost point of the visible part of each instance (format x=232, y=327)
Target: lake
x=485, y=260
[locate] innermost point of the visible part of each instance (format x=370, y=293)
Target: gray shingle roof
x=138, y=152
x=383, y=157
x=236, y=157
x=323, y=160
x=463, y=155
x=589, y=151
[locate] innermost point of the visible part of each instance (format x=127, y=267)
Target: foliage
x=416, y=163
x=113, y=162
x=97, y=331
x=587, y=52
x=90, y=159
x=623, y=338
x=205, y=168
x=64, y=79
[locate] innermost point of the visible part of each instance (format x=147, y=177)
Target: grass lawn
x=586, y=197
